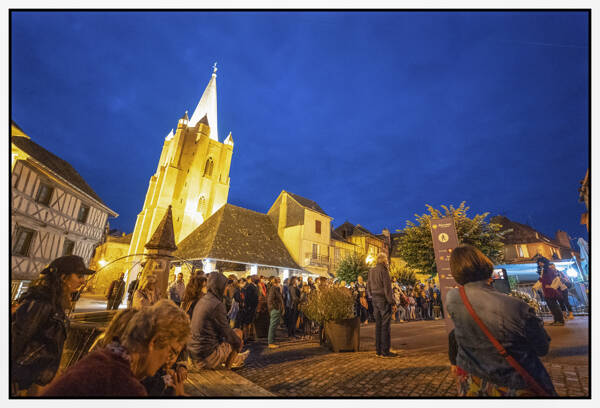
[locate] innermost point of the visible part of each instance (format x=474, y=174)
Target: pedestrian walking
x=499, y=338
x=552, y=287
x=39, y=324
x=276, y=308
x=379, y=287
x=115, y=293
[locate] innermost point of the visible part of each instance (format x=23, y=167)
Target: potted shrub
x=333, y=309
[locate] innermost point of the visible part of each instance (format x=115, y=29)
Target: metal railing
x=316, y=260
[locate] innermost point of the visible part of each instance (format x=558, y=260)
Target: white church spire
x=208, y=106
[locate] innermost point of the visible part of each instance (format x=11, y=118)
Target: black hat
x=68, y=264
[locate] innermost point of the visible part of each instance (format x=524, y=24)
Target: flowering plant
x=534, y=304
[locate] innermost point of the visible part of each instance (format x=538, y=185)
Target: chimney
x=563, y=238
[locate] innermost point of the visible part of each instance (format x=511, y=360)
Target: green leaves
x=415, y=245
x=352, y=266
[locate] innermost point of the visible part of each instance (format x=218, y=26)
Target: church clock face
x=443, y=237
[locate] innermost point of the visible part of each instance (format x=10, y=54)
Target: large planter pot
x=343, y=335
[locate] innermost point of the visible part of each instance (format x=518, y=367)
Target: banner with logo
x=445, y=240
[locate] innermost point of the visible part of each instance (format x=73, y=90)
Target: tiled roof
x=305, y=202
x=54, y=163
x=238, y=235
x=522, y=233
x=163, y=237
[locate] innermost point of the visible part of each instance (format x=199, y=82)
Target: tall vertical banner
x=445, y=240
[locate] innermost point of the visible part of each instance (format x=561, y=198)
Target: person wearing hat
x=39, y=324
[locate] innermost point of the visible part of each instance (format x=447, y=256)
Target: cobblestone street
x=303, y=368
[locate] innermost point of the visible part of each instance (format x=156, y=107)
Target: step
x=221, y=383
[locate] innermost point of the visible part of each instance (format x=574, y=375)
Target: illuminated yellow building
x=367, y=243
x=340, y=249
x=305, y=230
x=192, y=174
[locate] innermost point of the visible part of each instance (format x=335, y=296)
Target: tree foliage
x=405, y=275
x=415, y=245
x=351, y=266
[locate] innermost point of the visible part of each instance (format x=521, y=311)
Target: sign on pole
x=445, y=240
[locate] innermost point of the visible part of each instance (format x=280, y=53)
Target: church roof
x=238, y=235
x=54, y=163
x=207, y=106
x=305, y=202
x=163, y=237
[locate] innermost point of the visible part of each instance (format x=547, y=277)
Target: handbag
x=509, y=359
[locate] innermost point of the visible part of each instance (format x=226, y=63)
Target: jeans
x=383, y=316
x=275, y=316
x=555, y=309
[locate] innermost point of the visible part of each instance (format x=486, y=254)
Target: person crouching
x=209, y=326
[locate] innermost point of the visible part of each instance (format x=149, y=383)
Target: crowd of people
x=148, y=348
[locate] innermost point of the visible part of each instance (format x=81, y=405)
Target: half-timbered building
x=54, y=212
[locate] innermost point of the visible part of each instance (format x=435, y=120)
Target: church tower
x=192, y=174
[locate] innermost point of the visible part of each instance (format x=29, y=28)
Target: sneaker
x=389, y=354
x=273, y=346
x=557, y=324
x=378, y=354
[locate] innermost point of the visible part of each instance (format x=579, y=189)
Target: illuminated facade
x=54, y=212
x=305, y=229
x=192, y=174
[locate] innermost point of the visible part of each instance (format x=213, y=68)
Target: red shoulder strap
x=526, y=376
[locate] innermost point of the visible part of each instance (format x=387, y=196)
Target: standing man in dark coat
x=116, y=290
x=379, y=287
x=294, y=301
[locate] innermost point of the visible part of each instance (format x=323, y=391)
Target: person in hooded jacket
x=39, y=324
x=213, y=343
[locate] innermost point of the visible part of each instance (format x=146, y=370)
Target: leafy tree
x=404, y=275
x=352, y=266
x=415, y=245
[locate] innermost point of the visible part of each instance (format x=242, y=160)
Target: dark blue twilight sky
x=370, y=114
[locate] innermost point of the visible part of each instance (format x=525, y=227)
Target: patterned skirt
x=473, y=386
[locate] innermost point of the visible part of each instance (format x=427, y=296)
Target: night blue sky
x=372, y=115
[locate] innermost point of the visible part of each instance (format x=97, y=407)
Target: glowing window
x=208, y=167
x=201, y=203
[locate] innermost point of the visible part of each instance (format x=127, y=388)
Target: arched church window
x=201, y=203
x=208, y=167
